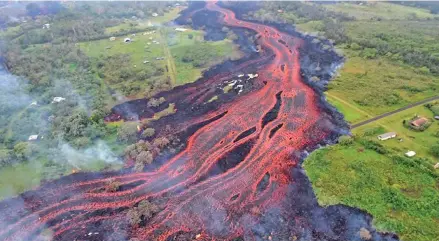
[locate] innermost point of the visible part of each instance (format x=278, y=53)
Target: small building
x=252, y=76
x=155, y=14
x=146, y=61
x=127, y=40
x=46, y=26
x=436, y=117
x=419, y=122
x=410, y=154
x=181, y=29
x=58, y=99
x=34, y=103
x=387, y=136
x=436, y=166
x=33, y=138
x=112, y=38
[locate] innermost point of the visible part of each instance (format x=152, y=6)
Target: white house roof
x=387, y=135
x=33, y=137
x=181, y=29
x=58, y=99
x=410, y=153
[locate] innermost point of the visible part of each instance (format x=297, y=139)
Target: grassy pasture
x=376, y=86
x=144, y=23
x=420, y=142
x=382, y=10
x=401, y=198
x=172, y=46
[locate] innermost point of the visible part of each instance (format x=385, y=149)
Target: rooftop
x=387, y=135
x=419, y=122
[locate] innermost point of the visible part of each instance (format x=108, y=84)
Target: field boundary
x=394, y=112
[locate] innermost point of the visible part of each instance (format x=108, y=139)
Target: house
x=387, y=136
x=419, y=122
x=436, y=117
x=155, y=14
x=146, y=61
x=436, y=166
x=112, y=38
x=46, y=26
x=34, y=103
x=410, y=154
x=127, y=40
x=251, y=76
x=33, y=138
x=181, y=29
x=58, y=99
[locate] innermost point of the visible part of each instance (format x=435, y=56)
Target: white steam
x=98, y=152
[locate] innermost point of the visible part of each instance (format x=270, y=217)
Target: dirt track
x=394, y=112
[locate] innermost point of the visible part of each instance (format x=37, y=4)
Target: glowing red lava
x=232, y=169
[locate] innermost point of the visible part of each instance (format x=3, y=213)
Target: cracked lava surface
x=237, y=178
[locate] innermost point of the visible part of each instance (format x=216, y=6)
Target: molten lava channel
x=234, y=167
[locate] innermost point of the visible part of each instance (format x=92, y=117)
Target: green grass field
x=401, y=193
x=420, y=142
x=144, y=23
x=172, y=45
x=401, y=198
x=382, y=10
x=138, y=48
x=376, y=86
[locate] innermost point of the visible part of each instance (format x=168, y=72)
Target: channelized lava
x=238, y=176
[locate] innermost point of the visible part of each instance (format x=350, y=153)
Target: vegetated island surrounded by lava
x=238, y=176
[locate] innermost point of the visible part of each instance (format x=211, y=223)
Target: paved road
x=394, y=112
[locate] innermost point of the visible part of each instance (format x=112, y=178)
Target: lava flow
x=237, y=178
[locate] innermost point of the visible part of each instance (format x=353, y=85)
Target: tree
x=74, y=125
x=138, y=167
x=148, y=132
x=147, y=209
x=127, y=132
x=5, y=157
x=369, y=53
x=23, y=150
x=144, y=211
x=113, y=186
x=161, y=142
x=133, y=216
x=345, y=140
x=435, y=150
x=144, y=157
x=33, y=9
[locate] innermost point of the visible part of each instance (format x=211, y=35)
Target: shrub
x=144, y=157
x=143, y=212
x=434, y=150
x=148, y=132
x=375, y=146
x=345, y=140
x=127, y=132
x=113, y=186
